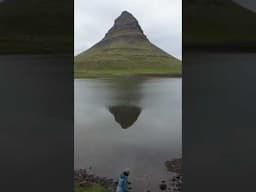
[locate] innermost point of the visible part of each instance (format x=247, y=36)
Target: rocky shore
x=174, y=165
x=175, y=184
x=84, y=179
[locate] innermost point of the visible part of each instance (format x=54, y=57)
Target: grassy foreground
x=93, y=188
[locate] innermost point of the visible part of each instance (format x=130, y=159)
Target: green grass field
x=93, y=188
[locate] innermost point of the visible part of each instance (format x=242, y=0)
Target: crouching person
x=123, y=182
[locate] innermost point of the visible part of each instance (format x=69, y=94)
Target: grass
x=41, y=26
x=218, y=25
x=107, y=73
x=125, y=56
x=93, y=188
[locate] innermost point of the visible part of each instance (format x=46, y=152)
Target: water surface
x=130, y=123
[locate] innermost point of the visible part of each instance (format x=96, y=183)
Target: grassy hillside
x=120, y=57
x=125, y=50
x=218, y=23
x=36, y=26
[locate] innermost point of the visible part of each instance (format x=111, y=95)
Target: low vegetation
x=218, y=23
x=41, y=26
x=92, y=188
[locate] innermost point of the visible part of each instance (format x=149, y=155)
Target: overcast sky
x=250, y=4
x=161, y=21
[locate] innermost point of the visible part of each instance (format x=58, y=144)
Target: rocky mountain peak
x=125, y=25
x=126, y=18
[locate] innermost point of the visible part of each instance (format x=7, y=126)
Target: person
x=122, y=185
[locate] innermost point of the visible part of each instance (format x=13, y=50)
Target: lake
x=128, y=122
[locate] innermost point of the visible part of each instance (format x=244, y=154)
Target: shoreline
x=85, y=180
x=163, y=75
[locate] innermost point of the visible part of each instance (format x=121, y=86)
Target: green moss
x=93, y=188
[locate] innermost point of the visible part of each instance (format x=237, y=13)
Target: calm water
x=130, y=123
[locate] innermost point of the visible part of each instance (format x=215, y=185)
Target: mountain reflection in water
x=129, y=121
x=125, y=115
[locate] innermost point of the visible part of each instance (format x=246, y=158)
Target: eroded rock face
x=126, y=25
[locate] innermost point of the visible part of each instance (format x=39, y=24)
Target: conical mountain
x=125, y=49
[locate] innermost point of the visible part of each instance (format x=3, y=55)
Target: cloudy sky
x=161, y=21
x=250, y=4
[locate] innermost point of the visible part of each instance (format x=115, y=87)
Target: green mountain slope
x=218, y=23
x=36, y=26
x=125, y=50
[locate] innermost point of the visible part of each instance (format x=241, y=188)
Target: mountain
x=125, y=49
x=219, y=24
x=36, y=26
x=251, y=5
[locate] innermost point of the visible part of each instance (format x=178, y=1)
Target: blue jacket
x=122, y=184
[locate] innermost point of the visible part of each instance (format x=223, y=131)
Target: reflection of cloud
x=161, y=21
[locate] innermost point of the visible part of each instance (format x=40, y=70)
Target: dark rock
x=176, y=182
x=163, y=186
x=125, y=22
x=174, y=165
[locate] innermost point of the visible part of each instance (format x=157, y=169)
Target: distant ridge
x=125, y=49
x=36, y=27
x=218, y=24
